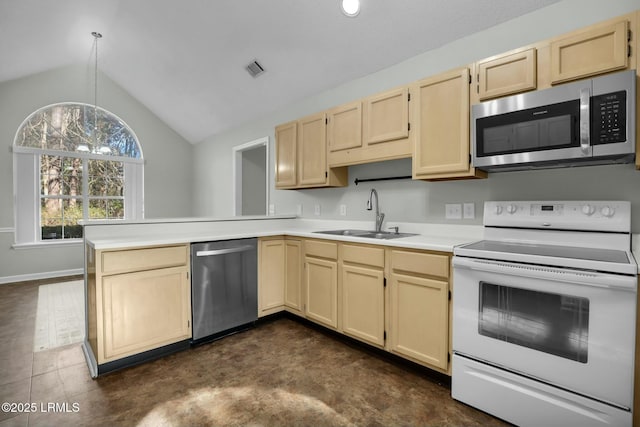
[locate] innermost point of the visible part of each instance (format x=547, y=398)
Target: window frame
x=26, y=179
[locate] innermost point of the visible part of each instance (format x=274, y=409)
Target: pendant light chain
x=96, y=36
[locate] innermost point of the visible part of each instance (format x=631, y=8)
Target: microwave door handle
x=585, y=143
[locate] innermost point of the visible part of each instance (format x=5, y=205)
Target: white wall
x=167, y=160
x=415, y=201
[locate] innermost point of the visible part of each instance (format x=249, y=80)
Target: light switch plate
x=316, y=210
x=272, y=209
x=343, y=210
x=453, y=211
x=469, y=210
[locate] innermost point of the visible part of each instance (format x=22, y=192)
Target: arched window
x=74, y=162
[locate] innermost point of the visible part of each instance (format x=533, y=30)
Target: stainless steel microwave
x=587, y=122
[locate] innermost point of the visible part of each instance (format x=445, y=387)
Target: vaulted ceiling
x=185, y=59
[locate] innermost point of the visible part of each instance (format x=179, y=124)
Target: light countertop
x=436, y=237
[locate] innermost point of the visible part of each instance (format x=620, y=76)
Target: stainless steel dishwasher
x=224, y=287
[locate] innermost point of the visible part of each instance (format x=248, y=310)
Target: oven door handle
x=565, y=275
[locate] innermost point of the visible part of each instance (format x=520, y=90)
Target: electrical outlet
x=469, y=210
x=453, y=210
x=299, y=210
x=343, y=210
x=272, y=209
x=316, y=210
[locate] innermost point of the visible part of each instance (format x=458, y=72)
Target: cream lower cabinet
x=321, y=282
x=271, y=275
x=419, y=307
x=362, y=279
x=139, y=300
x=279, y=276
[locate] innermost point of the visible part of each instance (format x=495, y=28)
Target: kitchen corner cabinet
x=321, y=282
x=301, y=155
x=293, y=291
x=363, y=295
x=139, y=300
x=506, y=74
x=440, y=117
x=595, y=50
x=271, y=275
x=419, y=307
x=279, y=275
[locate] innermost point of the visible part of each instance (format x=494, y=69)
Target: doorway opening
x=251, y=177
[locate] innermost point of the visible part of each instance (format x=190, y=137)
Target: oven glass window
x=553, y=323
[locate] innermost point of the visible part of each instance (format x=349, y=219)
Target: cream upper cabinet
x=419, y=307
x=506, y=74
x=321, y=282
x=595, y=50
x=139, y=300
x=301, y=155
x=286, y=155
x=344, y=128
x=386, y=116
x=440, y=117
x=312, y=150
x=271, y=275
x=293, y=295
x=363, y=295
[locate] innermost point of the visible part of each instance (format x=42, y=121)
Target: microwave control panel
x=608, y=118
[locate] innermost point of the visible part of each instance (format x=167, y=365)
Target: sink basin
x=346, y=232
x=367, y=234
x=386, y=235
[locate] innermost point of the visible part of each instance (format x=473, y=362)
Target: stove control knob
x=588, y=210
x=498, y=210
x=607, y=211
x=512, y=208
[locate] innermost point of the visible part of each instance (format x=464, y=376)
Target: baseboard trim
x=7, y=229
x=39, y=276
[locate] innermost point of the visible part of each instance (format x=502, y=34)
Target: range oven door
x=570, y=329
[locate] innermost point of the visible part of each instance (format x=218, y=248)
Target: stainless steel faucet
x=379, y=216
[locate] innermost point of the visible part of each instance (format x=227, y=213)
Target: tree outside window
x=82, y=155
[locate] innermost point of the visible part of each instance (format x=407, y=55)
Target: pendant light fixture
x=98, y=147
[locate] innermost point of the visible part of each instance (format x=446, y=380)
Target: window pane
x=106, y=178
x=70, y=127
x=50, y=175
x=59, y=218
x=72, y=176
x=115, y=209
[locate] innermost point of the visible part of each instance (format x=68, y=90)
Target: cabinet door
x=419, y=319
x=344, y=129
x=321, y=279
x=363, y=303
x=312, y=150
x=600, y=49
x=286, y=155
x=440, y=113
x=386, y=116
x=271, y=276
x=507, y=74
x=293, y=275
x=145, y=310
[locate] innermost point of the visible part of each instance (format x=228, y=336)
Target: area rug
x=60, y=315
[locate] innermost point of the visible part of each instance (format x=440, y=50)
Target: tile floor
x=60, y=315
x=279, y=373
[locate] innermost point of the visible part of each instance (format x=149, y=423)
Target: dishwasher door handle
x=224, y=251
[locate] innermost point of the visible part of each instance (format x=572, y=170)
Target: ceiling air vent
x=254, y=69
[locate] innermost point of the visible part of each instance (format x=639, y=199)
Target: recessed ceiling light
x=350, y=8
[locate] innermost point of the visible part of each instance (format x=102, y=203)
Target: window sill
x=48, y=244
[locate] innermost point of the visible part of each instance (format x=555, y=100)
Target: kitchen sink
x=367, y=234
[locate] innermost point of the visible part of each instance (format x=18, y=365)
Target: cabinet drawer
x=421, y=263
x=363, y=255
x=321, y=249
x=144, y=259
